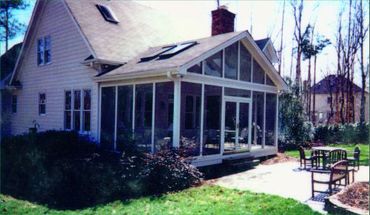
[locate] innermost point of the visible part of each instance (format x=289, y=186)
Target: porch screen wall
x=245, y=63
x=124, y=117
x=163, y=116
x=190, y=111
x=270, y=134
x=212, y=120
x=231, y=61
x=143, y=116
x=107, y=117
x=257, y=118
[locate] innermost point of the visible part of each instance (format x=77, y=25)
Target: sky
x=261, y=18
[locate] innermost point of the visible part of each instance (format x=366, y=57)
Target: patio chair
x=337, y=155
x=333, y=177
x=355, y=160
x=303, y=159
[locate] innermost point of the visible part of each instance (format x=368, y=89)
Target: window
x=163, y=116
x=86, y=110
x=42, y=104
x=270, y=119
x=44, y=50
x=258, y=73
x=108, y=102
x=67, y=110
x=231, y=61
x=14, y=103
x=107, y=13
x=143, y=116
x=212, y=120
x=77, y=110
x=245, y=64
x=269, y=81
x=213, y=65
x=124, y=116
x=237, y=92
x=197, y=68
x=258, y=118
x=190, y=118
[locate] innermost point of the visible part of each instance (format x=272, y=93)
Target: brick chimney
x=222, y=21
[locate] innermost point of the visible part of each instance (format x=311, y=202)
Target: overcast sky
x=261, y=18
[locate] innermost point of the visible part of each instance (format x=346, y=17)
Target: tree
x=362, y=33
x=10, y=26
x=297, y=7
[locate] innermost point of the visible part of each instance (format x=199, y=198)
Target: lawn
x=364, y=156
x=200, y=200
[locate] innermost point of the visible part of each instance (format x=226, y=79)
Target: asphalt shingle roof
x=139, y=27
x=204, y=45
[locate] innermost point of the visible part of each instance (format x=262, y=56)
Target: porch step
x=241, y=161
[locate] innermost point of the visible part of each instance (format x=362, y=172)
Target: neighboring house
x=7, y=63
x=328, y=91
x=100, y=68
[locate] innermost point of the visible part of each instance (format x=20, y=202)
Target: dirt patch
x=279, y=158
x=356, y=195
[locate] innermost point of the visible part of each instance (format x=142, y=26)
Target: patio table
x=322, y=154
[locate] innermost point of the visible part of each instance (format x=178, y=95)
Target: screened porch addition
x=224, y=105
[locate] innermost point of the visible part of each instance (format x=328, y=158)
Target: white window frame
x=43, y=50
x=42, y=103
x=81, y=129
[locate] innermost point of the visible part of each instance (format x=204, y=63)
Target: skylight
x=156, y=53
x=167, y=52
x=179, y=48
x=107, y=13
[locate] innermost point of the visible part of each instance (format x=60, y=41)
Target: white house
x=100, y=67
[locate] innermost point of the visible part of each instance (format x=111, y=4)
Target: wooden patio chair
x=355, y=160
x=303, y=158
x=332, y=177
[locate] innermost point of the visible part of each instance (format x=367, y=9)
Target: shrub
x=65, y=170
x=348, y=133
x=168, y=171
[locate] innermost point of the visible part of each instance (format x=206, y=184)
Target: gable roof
x=138, y=28
x=203, y=45
x=333, y=82
x=8, y=60
x=262, y=43
x=204, y=48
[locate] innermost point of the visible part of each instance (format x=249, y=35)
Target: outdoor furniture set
x=330, y=166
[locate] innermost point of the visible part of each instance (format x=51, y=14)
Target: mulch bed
x=356, y=195
x=279, y=158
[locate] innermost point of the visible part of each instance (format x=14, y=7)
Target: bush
x=64, y=170
x=348, y=133
x=168, y=171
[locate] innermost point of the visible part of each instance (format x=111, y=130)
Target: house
x=7, y=63
x=110, y=70
x=328, y=91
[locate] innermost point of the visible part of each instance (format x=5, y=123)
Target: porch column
x=176, y=113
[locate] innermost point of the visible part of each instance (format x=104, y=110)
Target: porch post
x=176, y=113
x=277, y=120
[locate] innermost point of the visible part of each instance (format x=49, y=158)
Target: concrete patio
x=282, y=179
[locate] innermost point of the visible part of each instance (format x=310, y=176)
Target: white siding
x=68, y=50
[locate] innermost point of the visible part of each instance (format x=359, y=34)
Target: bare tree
x=297, y=6
x=281, y=38
x=362, y=33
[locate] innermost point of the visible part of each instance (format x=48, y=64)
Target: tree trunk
x=281, y=39
x=314, y=92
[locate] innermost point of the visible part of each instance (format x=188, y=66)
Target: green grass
x=364, y=155
x=201, y=200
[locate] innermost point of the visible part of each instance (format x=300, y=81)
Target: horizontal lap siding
x=68, y=50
